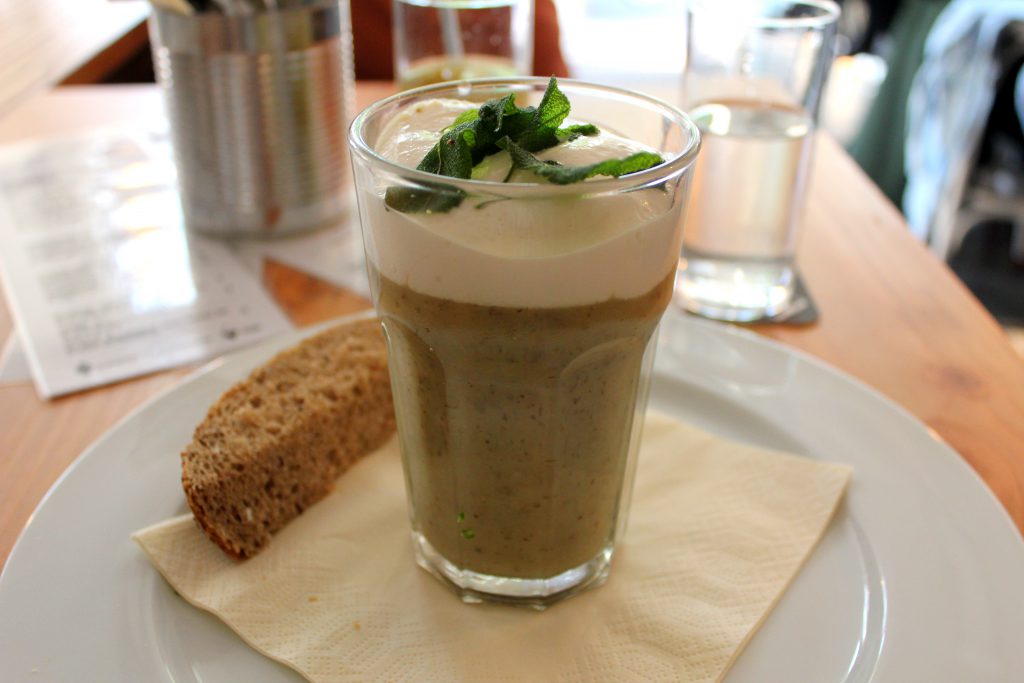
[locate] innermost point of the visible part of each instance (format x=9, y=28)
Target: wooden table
x=891, y=315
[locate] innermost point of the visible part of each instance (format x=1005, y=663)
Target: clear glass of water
x=451, y=40
x=755, y=71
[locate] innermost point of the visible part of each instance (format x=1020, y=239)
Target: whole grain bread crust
x=274, y=444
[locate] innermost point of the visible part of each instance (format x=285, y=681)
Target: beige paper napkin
x=716, y=533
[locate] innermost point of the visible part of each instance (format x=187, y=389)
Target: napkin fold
x=716, y=533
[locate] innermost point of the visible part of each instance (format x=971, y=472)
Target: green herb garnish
x=467, y=116
x=564, y=175
x=427, y=198
x=570, y=133
x=501, y=124
x=468, y=534
x=461, y=517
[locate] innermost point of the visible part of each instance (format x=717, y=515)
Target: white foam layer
x=543, y=253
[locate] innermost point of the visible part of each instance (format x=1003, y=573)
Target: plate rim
x=749, y=336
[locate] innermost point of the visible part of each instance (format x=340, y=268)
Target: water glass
x=450, y=40
x=755, y=70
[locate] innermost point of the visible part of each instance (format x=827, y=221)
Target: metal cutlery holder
x=258, y=107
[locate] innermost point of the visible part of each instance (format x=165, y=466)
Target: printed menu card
x=101, y=277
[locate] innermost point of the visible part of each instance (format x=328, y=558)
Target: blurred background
x=926, y=95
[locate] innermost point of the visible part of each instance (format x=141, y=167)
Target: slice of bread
x=274, y=444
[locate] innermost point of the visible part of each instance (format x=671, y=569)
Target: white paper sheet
x=103, y=281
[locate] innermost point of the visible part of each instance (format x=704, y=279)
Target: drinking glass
x=520, y=328
x=450, y=40
x=754, y=74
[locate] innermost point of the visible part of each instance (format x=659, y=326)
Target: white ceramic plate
x=920, y=577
